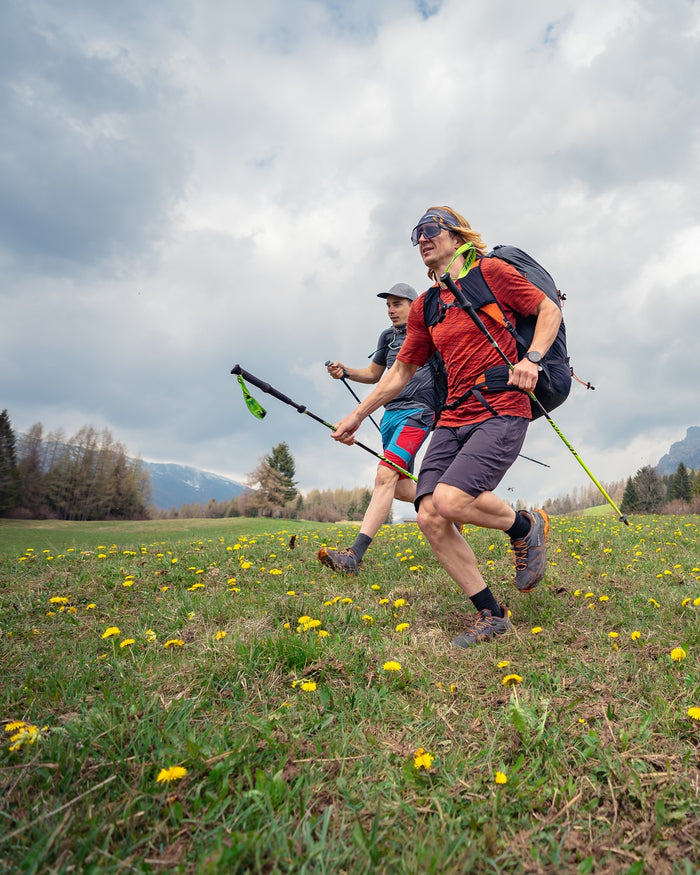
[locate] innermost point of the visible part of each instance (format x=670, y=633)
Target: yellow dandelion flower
x=654, y=602
x=612, y=635
x=635, y=635
x=246, y=565
x=504, y=663
x=604, y=598
x=346, y=601
x=696, y=602
x=510, y=679
x=375, y=586
x=127, y=642
x=59, y=600
x=383, y=601
x=500, y=778
x=274, y=571
x=422, y=759
x=174, y=773
x=589, y=595
x=195, y=586
x=174, y=642
x=13, y=727
x=694, y=713
x=367, y=619
x=150, y=635
x=678, y=654
x=323, y=634
x=577, y=592
x=685, y=602
x=399, y=603
x=536, y=630
x=402, y=627
x=112, y=630
x=219, y=635
x=308, y=686
x=392, y=665
x=290, y=592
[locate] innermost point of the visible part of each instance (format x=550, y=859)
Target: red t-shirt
x=465, y=350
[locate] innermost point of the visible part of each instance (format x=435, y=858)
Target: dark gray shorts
x=473, y=458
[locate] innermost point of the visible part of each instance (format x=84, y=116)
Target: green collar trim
x=469, y=259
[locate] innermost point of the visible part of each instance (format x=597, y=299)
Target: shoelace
x=520, y=553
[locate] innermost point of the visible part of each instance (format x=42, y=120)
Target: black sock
x=484, y=599
x=360, y=546
x=520, y=527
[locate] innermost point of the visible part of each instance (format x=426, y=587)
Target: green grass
x=299, y=748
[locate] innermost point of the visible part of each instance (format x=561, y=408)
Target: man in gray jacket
x=405, y=425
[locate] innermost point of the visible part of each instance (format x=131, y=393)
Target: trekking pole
x=242, y=374
x=467, y=305
x=344, y=379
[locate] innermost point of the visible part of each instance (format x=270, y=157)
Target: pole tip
x=236, y=369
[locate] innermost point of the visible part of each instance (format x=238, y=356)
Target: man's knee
x=451, y=503
x=386, y=477
x=427, y=515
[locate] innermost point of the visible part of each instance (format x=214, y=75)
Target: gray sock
x=359, y=548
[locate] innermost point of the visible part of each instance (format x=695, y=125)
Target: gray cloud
x=184, y=187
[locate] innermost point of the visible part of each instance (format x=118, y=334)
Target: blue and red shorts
x=403, y=434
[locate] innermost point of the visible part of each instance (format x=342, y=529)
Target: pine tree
x=630, y=500
x=650, y=489
x=271, y=488
x=10, y=482
x=282, y=461
x=681, y=485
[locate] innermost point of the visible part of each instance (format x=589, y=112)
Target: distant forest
x=86, y=477
x=90, y=476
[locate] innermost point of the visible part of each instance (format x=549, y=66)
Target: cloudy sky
x=189, y=185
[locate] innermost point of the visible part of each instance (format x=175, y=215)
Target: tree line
x=86, y=477
x=90, y=477
x=650, y=492
x=645, y=492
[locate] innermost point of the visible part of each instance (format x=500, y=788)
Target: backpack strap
x=494, y=379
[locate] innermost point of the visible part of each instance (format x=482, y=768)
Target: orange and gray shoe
x=530, y=552
x=339, y=560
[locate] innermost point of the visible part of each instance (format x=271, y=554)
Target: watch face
x=534, y=356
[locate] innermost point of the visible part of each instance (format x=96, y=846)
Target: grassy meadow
x=204, y=697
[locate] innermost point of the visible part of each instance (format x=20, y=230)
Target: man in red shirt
x=479, y=438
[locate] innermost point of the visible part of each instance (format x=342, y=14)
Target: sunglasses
x=428, y=230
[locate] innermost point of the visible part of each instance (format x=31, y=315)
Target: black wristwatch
x=534, y=356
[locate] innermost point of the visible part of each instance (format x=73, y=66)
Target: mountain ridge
x=686, y=451
x=174, y=485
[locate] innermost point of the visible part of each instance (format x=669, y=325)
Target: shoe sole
x=483, y=638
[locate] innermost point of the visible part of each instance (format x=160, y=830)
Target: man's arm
x=393, y=383
x=524, y=374
x=370, y=374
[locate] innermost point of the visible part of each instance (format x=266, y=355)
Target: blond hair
x=463, y=231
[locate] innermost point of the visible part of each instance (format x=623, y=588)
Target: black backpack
x=554, y=383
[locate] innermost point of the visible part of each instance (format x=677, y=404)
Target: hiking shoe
x=339, y=560
x=530, y=552
x=484, y=626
